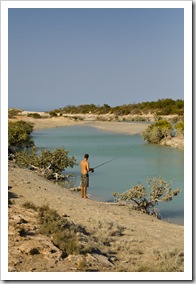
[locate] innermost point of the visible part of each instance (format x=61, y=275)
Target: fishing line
x=105, y=163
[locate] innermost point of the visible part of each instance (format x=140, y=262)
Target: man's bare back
x=84, y=164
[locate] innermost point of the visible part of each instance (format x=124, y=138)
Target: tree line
x=157, y=108
x=160, y=107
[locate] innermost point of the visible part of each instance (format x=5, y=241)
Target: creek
x=133, y=160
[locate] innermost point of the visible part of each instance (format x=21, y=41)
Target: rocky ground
x=115, y=238
x=175, y=142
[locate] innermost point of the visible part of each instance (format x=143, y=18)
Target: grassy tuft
x=63, y=233
x=170, y=261
x=30, y=205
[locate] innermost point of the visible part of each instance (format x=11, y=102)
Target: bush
x=19, y=134
x=53, y=113
x=180, y=128
x=157, y=131
x=34, y=115
x=55, y=161
x=62, y=232
x=12, y=112
x=141, y=199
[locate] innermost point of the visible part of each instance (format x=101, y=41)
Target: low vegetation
x=104, y=239
x=21, y=149
x=50, y=164
x=157, y=131
x=67, y=236
x=145, y=199
x=62, y=232
x=180, y=128
x=170, y=261
x=161, y=107
x=13, y=112
x=34, y=115
x=162, y=129
x=30, y=205
x=19, y=134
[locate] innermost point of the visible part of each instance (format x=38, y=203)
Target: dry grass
x=169, y=261
x=30, y=205
x=105, y=238
x=61, y=231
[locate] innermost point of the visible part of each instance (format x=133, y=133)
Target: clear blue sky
x=60, y=57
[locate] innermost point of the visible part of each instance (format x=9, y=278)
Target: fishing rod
x=105, y=163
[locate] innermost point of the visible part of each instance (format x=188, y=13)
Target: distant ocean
x=135, y=161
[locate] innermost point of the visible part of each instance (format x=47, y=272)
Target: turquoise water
x=136, y=160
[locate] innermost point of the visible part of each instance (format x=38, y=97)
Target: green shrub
x=67, y=241
x=55, y=161
x=34, y=115
x=180, y=128
x=62, y=232
x=53, y=113
x=157, y=131
x=26, y=158
x=12, y=112
x=19, y=134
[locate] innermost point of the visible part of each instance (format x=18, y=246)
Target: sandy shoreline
x=142, y=236
x=111, y=126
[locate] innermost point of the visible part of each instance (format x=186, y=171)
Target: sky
x=59, y=57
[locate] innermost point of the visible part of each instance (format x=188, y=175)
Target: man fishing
x=85, y=168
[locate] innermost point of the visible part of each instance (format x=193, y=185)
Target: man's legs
x=82, y=191
x=85, y=190
x=84, y=185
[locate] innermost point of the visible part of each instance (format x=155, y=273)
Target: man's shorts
x=84, y=180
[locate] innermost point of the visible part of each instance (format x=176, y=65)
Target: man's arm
x=87, y=166
x=89, y=169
